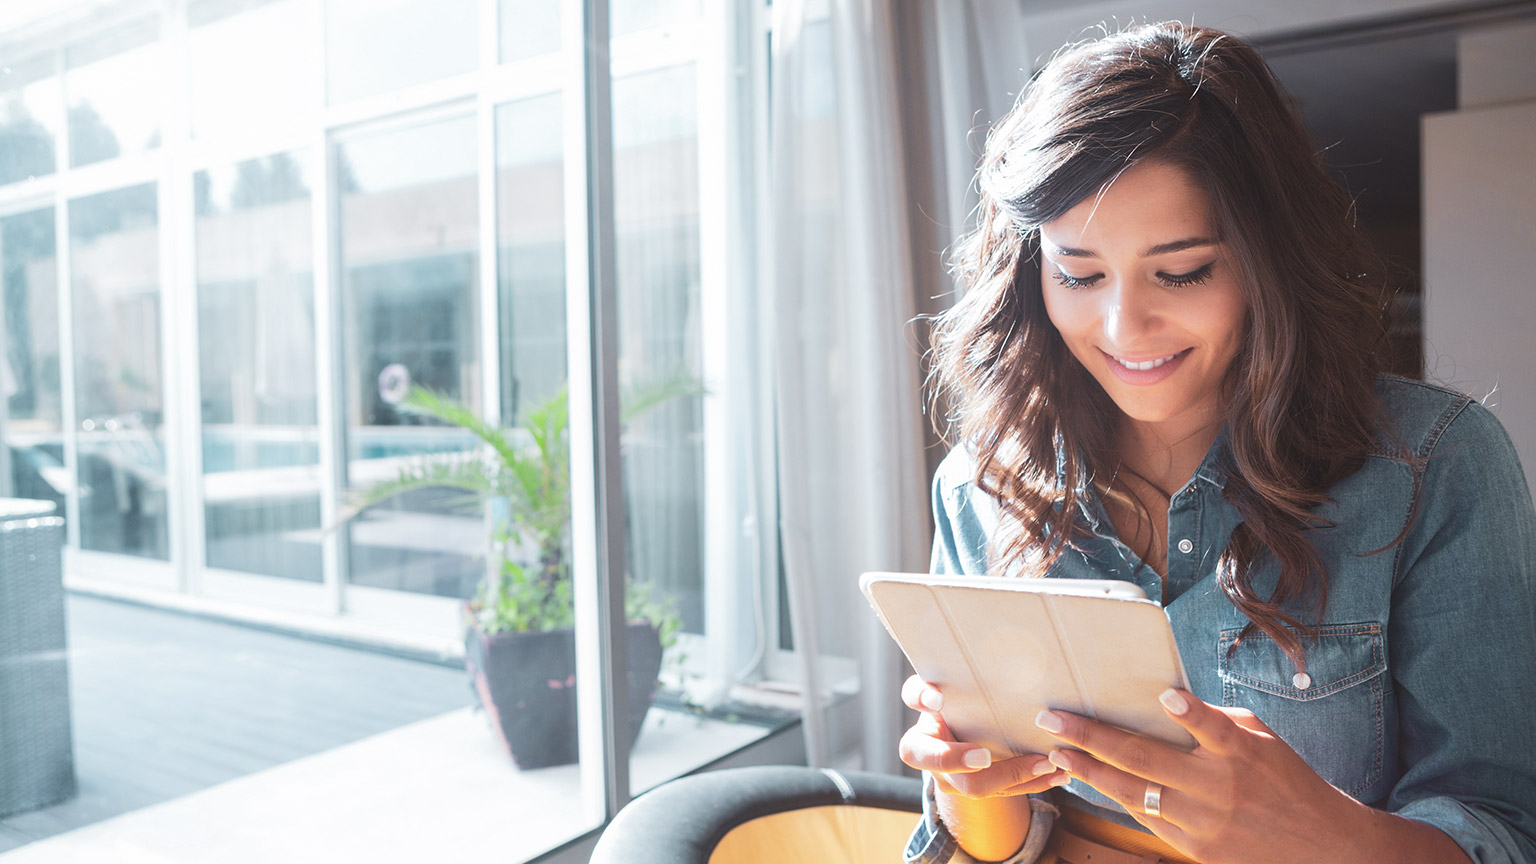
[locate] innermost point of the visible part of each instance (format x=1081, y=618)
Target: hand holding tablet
x=1001, y=650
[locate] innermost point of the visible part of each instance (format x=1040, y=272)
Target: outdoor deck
x=198, y=740
x=166, y=704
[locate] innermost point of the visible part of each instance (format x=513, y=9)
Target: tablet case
x=1003, y=649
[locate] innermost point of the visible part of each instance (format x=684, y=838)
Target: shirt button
x=1186, y=546
x=1302, y=680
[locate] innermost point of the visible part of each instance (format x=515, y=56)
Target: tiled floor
x=165, y=704
x=198, y=741
x=436, y=790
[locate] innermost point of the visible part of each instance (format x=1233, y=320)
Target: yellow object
x=834, y=834
x=842, y=834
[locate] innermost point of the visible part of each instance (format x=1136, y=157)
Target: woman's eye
x=1193, y=277
x=1076, y=281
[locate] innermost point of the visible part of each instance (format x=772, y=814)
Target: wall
x=1480, y=232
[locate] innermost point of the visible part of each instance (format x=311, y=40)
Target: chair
x=36, y=750
x=766, y=814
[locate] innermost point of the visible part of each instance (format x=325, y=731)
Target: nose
x=1129, y=313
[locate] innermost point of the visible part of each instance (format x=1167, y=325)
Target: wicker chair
x=36, y=750
x=782, y=814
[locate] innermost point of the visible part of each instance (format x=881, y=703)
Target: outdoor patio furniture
x=36, y=751
x=778, y=813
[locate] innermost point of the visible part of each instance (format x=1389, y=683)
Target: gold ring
x=1152, y=802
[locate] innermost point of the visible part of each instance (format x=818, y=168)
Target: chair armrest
x=682, y=821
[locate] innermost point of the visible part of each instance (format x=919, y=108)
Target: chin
x=1154, y=410
x=1147, y=415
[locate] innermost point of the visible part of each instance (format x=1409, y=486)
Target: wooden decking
x=166, y=704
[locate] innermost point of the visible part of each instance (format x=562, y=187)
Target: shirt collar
x=1214, y=467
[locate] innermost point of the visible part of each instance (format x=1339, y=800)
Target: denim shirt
x=1419, y=693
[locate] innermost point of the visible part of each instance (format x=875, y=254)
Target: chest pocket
x=1332, y=713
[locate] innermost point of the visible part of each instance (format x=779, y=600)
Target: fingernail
x=978, y=758
x=1061, y=780
x=1049, y=722
x=1174, y=701
x=1044, y=766
x=1059, y=759
x=931, y=700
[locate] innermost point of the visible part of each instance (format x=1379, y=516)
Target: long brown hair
x=1301, y=405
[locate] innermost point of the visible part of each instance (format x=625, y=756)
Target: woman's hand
x=1242, y=795
x=965, y=769
x=979, y=801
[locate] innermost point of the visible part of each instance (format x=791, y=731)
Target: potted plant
x=519, y=627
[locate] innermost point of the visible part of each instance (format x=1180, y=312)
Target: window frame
x=730, y=71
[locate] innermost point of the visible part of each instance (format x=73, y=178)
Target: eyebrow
x=1159, y=249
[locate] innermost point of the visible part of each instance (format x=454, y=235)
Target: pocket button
x=1301, y=680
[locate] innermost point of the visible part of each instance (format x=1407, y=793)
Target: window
x=115, y=88
x=529, y=28
x=251, y=66
x=233, y=234
x=32, y=422
x=256, y=358
x=410, y=308
x=119, y=376
x=31, y=117
x=378, y=46
x=530, y=230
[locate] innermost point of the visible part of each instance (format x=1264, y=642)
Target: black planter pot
x=526, y=682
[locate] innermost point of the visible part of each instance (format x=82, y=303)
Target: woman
x=1164, y=371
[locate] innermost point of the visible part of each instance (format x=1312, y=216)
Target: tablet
x=1002, y=649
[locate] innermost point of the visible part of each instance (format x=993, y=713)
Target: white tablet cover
x=1003, y=649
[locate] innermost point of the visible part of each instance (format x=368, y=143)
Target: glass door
x=32, y=456
x=408, y=228
x=256, y=355
x=114, y=241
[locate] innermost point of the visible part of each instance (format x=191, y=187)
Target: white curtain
x=983, y=62
x=870, y=102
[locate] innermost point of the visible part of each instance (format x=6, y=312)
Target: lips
x=1144, y=365
x=1145, y=372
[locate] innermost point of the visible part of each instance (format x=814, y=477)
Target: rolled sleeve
x=1485, y=838
x=931, y=842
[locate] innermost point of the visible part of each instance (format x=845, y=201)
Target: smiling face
x=1137, y=283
